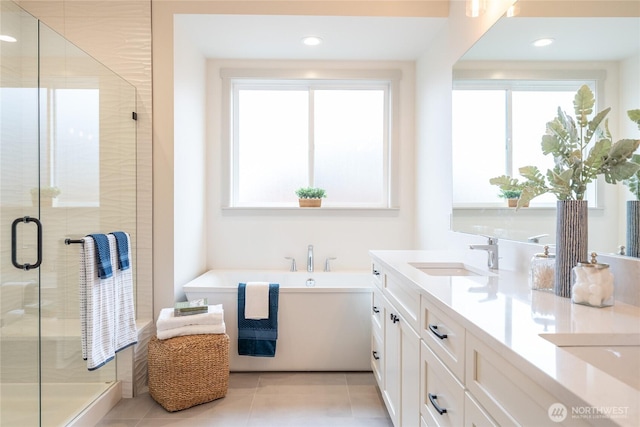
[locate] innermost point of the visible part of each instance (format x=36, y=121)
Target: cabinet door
x=410, y=380
x=392, y=360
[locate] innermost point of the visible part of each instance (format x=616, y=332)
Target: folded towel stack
x=169, y=325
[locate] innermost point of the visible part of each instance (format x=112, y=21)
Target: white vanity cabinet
x=396, y=361
x=442, y=368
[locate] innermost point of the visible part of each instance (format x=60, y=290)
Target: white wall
x=190, y=118
x=433, y=128
x=261, y=238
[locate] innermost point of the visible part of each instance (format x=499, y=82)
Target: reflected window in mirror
x=500, y=124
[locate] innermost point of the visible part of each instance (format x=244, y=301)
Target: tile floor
x=273, y=399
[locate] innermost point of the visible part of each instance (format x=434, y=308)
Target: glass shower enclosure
x=67, y=169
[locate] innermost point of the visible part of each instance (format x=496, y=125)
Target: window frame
x=234, y=79
x=523, y=80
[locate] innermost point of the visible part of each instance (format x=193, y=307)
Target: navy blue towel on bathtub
x=258, y=337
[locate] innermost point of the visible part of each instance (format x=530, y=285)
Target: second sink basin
x=448, y=269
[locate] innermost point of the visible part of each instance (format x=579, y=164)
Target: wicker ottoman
x=188, y=370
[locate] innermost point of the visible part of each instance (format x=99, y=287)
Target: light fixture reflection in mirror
x=595, y=45
x=475, y=8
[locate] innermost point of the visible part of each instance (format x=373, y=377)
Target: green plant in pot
x=582, y=149
x=510, y=189
x=567, y=139
x=310, y=196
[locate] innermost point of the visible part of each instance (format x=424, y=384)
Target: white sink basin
x=448, y=269
x=622, y=363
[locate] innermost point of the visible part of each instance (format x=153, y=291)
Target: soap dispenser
x=592, y=283
x=542, y=271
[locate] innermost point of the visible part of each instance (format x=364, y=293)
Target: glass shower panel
x=19, y=343
x=87, y=153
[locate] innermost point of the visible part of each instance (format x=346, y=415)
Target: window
x=287, y=133
x=497, y=128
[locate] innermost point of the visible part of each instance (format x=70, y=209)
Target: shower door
x=19, y=343
x=67, y=169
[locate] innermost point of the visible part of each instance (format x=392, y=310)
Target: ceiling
x=279, y=37
x=404, y=38
x=576, y=39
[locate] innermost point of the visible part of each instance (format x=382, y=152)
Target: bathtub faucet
x=310, y=258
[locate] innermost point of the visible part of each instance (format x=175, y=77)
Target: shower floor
x=61, y=403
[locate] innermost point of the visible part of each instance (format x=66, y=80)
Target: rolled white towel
x=192, y=330
x=167, y=319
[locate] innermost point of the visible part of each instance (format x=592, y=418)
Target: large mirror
x=605, y=51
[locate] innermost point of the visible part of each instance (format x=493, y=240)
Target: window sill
x=324, y=210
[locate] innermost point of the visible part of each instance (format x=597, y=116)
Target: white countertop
x=597, y=360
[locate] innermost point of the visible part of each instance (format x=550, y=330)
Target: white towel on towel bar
x=167, y=320
x=126, y=332
x=256, y=303
x=97, y=309
x=107, y=316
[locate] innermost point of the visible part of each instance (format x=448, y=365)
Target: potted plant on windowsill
x=310, y=197
x=510, y=189
x=44, y=196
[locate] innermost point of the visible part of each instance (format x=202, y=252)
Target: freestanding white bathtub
x=323, y=318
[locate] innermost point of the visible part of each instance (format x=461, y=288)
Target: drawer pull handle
x=434, y=329
x=376, y=309
x=375, y=355
x=432, y=399
x=376, y=273
x=394, y=318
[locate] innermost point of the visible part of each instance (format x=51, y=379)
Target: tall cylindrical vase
x=633, y=228
x=571, y=242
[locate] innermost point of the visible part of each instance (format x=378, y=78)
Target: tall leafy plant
x=568, y=140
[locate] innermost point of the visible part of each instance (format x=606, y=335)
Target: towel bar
x=70, y=241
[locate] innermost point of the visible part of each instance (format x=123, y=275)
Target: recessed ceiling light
x=6, y=38
x=542, y=42
x=312, y=40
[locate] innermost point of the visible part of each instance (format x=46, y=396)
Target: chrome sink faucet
x=310, y=258
x=492, y=252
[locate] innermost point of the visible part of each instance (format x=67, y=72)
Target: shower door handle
x=14, y=244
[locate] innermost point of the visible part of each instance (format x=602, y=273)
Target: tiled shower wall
x=118, y=34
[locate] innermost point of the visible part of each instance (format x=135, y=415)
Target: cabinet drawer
x=376, y=274
x=376, y=359
x=404, y=299
x=444, y=336
x=377, y=313
x=474, y=415
x=507, y=394
x=441, y=394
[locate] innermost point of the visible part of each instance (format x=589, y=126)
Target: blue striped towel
x=103, y=256
x=122, y=240
x=258, y=337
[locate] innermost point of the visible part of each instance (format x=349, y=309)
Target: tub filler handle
x=293, y=263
